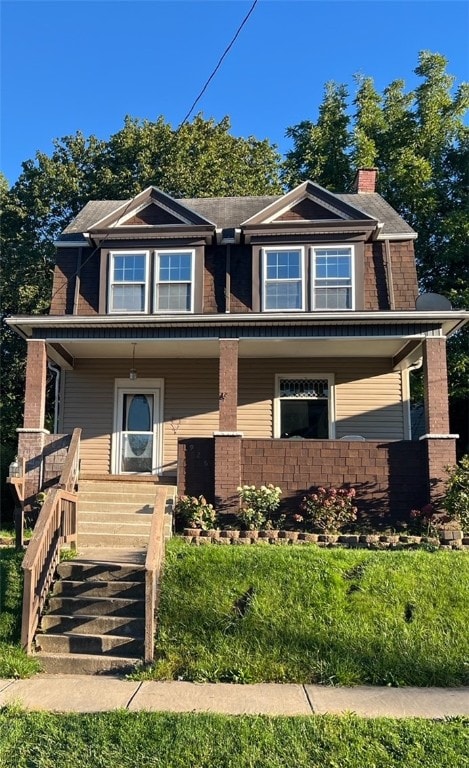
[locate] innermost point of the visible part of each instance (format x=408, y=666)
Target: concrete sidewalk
x=67, y=693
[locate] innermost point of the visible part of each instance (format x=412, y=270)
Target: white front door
x=136, y=447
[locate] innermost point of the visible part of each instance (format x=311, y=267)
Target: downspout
x=228, y=279
x=55, y=370
x=408, y=413
x=388, y=269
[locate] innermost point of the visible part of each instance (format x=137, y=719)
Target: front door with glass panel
x=136, y=448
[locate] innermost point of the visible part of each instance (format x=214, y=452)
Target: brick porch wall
x=390, y=477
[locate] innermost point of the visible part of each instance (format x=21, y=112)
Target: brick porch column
x=440, y=445
x=227, y=440
x=31, y=435
x=227, y=469
x=228, y=385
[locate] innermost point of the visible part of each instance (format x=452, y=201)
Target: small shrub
x=257, y=505
x=456, y=500
x=196, y=512
x=328, y=509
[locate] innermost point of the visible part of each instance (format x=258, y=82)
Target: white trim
x=111, y=281
x=71, y=243
x=168, y=252
x=310, y=375
x=275, y=249
x=436, y=436
x=332, y=246
x=228, y=434
x=144, y=386
x=398, y=236
x=33, y=430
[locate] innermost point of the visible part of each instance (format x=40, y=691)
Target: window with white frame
x=304, y=407
x=333, y=278
x=174, y=281
x=283, y=279
x=128, y=291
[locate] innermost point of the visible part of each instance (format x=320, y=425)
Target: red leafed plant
x=328, y=509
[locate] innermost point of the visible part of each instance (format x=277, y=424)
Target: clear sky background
x=70, y=65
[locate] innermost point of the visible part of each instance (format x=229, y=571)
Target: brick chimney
x=365, y=180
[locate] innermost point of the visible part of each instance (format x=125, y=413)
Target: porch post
x=227, y=440
x=228, y=385
x=32, y=435
x=440, y=445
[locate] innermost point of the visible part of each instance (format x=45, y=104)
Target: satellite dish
x=432, y=302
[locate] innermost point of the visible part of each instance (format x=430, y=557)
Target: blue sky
x=70, y=65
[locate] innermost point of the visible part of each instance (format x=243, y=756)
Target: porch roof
x=396, y=335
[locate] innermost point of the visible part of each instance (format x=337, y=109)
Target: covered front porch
x=238, y=400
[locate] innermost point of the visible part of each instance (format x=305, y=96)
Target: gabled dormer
x=308, y=252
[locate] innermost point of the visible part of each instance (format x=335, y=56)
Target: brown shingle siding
x=376, y=292
x=88, y=298
x=404, y=274
x=63, y=286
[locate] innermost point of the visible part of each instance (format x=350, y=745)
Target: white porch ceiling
x=255, y=348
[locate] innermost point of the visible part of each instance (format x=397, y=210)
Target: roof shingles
x=230, y=212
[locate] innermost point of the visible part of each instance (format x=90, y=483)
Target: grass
x=125, y=739
x=13, y=661
x=303, y=614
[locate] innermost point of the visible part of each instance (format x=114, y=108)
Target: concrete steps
x=117, y=513
x=95, y=619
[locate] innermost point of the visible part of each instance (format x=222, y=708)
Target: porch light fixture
x=133, y=370
x=14, y=470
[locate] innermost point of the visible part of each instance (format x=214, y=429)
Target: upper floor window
x=332, y=278
x=128, y=282
x=151, y=281
x=325, y=280
x=174, y=281
x=283, y=271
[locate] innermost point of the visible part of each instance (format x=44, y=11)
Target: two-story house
x=219, y=341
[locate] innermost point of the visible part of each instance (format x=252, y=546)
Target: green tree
x=320, y=150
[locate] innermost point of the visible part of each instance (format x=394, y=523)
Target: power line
x=225, y=52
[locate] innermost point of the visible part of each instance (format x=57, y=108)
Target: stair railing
x=153, y=566
x=56, y=525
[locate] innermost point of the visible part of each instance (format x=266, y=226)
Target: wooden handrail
x=153, y=564
x=55, y=526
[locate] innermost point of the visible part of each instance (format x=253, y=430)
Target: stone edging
x=451, y=539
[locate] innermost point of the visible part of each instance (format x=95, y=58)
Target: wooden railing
x=55, y=526
x=153, y=566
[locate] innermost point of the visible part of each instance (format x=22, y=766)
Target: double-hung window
x=333, y=278
x=128, y=282
x=283, y=283
x=174, y=281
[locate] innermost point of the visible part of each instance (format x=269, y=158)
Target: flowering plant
x=328, y=509
x=257, y=504
x=456, y=500
x=425, y=520
x=196, y=512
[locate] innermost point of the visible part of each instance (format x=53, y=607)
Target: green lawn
x=303, y=614
x=13, y=661
x=151, y=740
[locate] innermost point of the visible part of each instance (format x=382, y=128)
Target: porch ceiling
x=248, y=348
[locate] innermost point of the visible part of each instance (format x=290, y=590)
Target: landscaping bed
x=305, y=614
